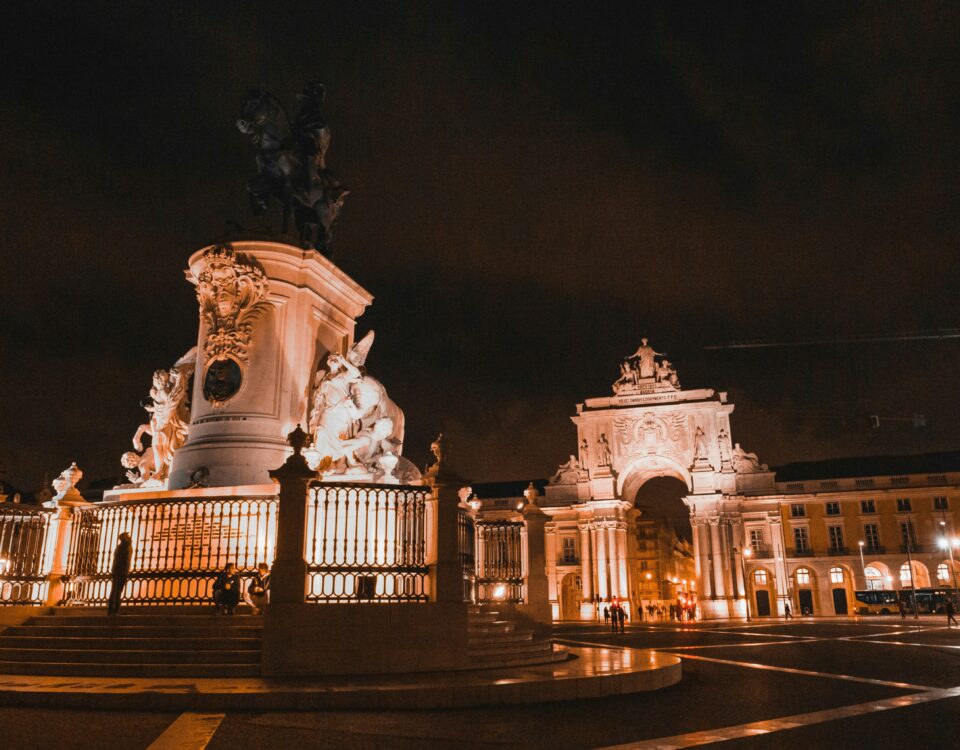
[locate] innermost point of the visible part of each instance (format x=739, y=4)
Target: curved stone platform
x=589, y=673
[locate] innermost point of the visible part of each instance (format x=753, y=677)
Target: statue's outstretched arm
x=138, y=436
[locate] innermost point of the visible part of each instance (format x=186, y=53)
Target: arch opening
x=660, y=498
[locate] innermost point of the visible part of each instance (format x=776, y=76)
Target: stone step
x=558, y=654
x=524, y=647
x=500, y=626
x=128, y=656
x=106, y=669
x=208, y=643
x=197, y=620
x=518, y=636
x=58, y=630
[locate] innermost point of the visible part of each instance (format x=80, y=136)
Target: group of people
x=616, y=615
x=227, y=587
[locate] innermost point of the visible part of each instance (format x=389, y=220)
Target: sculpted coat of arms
x=231, y=290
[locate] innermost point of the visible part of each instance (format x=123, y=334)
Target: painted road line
x=188, y=732
x=752, y=729
x=807, y=672
x=741, y=645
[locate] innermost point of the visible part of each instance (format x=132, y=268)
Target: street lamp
x=948, y=543
x=913, y=585
x=747, y=553
x=863, y=566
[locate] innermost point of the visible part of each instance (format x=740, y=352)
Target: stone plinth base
x=718, y=609
x=338, y=639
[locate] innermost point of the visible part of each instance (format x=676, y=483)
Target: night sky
x=535, y=186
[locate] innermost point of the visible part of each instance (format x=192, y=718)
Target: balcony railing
x=179, y=547
x=466, y=550
x=800, y=552
x=366, y=543
x=27, y=538
x=838, y=549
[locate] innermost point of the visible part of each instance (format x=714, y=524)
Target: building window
x=756, y=540
x=803, y=577
x=833, y=509
x=943, y=573
x=871, y=535
x=908, y=535
x=874, y=578
x=836, y=575
x=903, y=505
x=905, y=577
x=760, y=577
x=569, y=551
x=836, y=538
x=801, y=539
x=797, y=510
x=940, y=503
x=868, y=506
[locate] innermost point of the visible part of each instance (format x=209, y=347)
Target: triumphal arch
x=649, y=427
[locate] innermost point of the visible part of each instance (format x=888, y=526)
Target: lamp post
x=747, y=553
x=913, y=585
x=945, y=541
x=863, y=567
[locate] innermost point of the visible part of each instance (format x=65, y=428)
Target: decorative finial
x=298, y=439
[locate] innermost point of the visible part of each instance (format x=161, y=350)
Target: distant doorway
x=763, y=603
x=570, y=597
x=840, y=601
x=806, y=601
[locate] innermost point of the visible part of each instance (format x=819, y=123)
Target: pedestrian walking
x=119, y=572
x=902, y=610
x=951, y=613
x=606, y=614
x=622, y=617
x=614, y=616
x=787, y=614
x=226, y=590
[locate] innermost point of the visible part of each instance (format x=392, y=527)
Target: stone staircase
x=496, y=641
x=140, y=643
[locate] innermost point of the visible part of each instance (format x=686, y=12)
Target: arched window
x=905, y=577
x=803, y=576
x=760, y=577
x=836, y=575
x=874, y=578
x=943, y=573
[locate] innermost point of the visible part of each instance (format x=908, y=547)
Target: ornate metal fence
x=466, y=550
x=178, y=547
x=27, y=540
x=500, y=565
x=366, y=543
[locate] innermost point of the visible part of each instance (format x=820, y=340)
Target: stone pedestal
x=270, y=314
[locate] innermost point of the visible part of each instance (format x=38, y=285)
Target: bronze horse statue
x=291, y=163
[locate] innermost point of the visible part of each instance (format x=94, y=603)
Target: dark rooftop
x=869, y=466
x=490, y=490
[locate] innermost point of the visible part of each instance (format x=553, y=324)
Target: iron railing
x=27, y=540
x=366, y=543
x=500, y=566
x=466, y=551
x=179, y=547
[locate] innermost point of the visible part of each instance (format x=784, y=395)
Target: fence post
x=66, y=502
x=288, y=577
x=537, y=605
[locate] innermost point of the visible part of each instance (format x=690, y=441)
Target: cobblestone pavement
x=850, y=683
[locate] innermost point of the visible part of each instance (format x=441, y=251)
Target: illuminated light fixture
x=500, y=591
x=748, y=552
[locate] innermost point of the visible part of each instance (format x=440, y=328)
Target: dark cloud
x=535, y=186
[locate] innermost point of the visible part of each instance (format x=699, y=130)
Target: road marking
x=188, y=732
x=741, y=645
x=752, y=729
x=807, y=672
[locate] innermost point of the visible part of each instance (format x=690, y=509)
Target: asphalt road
x=864, y=683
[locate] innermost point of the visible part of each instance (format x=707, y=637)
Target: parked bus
x=876, y=602
x=929, y=601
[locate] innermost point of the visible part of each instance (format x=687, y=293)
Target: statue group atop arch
x=641, y=371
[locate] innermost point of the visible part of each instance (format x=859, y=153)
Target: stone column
x=740, y=544
x=601, y=564
x=68, y=501
x=621, y=532
x=613, y=558
x=537, y=605
x=288, y=577
x=716, y=555
x=706, y=560
x=586, y=572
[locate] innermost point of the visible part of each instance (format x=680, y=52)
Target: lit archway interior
x=661, y=498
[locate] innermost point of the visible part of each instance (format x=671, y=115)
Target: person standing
x=622, y=617
x=951, y=613
x=119, y=572
x=606, y=614
x=226, y=590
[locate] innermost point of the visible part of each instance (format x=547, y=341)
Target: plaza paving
x=846, y=683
